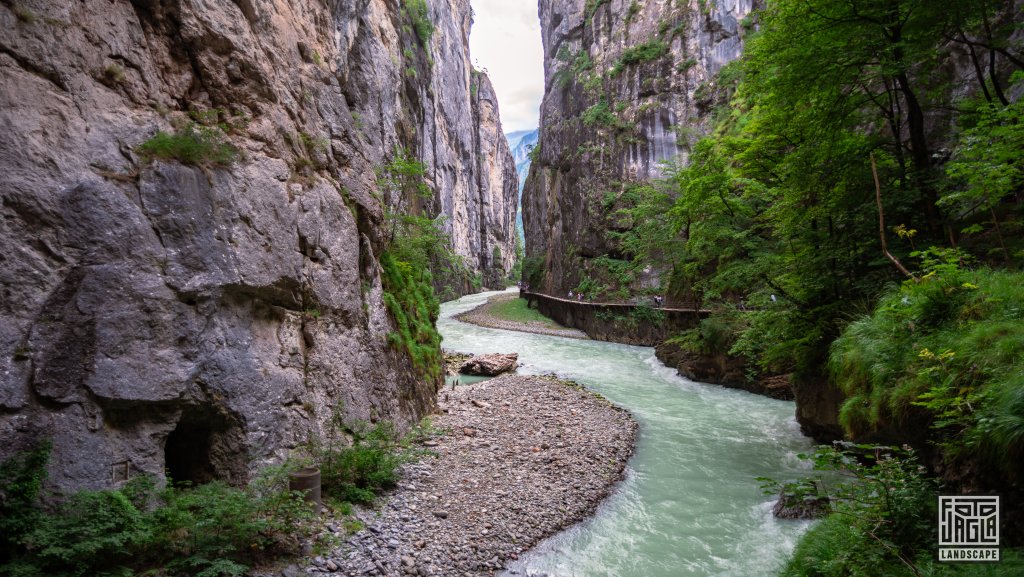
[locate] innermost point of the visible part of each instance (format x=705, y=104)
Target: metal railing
x=667, y=305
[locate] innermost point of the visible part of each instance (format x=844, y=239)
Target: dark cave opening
x=204, y=446
x=187, y=453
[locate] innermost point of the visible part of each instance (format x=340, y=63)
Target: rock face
x=497, y=191
x=628, y=85
x=490, y=365
x=796, y=506
x=207, y=318
x=723, y=369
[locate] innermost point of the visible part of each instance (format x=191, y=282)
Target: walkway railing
x=668, y=306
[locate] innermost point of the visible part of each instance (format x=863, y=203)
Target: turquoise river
x=690, y=504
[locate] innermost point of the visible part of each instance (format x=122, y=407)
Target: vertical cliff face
x=629, y=84
x=465, y=151
x=205, y=308
x=498, y=186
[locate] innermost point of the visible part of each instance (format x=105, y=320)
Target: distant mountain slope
x=516, y=136
x=521, y=152
x=521, y=142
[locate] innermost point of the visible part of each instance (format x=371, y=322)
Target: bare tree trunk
x=881, y=223
x=977, y=67
x=995, y=79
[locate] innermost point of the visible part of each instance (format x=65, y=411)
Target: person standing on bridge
x=570, y=293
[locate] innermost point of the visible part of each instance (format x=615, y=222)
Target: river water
x=689, y=504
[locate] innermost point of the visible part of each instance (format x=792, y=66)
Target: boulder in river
x=800, y=505
x=490, y=365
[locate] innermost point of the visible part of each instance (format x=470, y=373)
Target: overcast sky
x=506, y=42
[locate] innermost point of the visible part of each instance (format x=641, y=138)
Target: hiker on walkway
x=570, y=293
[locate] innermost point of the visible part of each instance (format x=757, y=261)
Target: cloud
x=506, y=41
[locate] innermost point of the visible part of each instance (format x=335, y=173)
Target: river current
x=690, y=504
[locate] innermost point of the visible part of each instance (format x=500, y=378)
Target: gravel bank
x=518, y=459
x=481, y=316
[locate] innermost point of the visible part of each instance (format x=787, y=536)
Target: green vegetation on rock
x=409, y=297
x=577, y=66
x=590, y=8
x=945, y=349
x=416, y=244
x=646, y=52
x=599, y=114
x=193, y=144
x=534, y=270
x=419, y=12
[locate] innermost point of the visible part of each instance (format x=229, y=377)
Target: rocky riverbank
x=516, y=459
x=724, y=370
x=483, y=316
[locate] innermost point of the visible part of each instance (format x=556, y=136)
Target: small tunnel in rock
x=206, y=445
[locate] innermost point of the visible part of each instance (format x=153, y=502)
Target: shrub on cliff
x=646, y=52
x=416, y=245
x=192, y=144
x=419, y=12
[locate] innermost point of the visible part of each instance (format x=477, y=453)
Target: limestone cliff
x=206, y=313
x=498, y=186
x=629, y=84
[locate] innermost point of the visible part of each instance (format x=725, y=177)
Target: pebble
x=552, y=452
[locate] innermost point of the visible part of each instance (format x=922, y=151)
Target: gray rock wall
x=498, y=183
x=658, y=111
x=208, y=319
